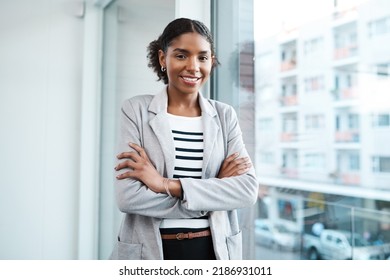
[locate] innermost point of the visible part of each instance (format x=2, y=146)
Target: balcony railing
x=348, y=178
x=347, y=136
x=288, y=65
x=288, y=137
x=345, y=52
x=345, y=93
x=289, y=100
x=289, y=172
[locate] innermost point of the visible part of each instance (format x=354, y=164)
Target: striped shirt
x=187, y=135
x=188, y=139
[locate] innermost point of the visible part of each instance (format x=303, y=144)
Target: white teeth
x=190, y=79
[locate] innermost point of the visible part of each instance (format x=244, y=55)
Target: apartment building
x=323, y=112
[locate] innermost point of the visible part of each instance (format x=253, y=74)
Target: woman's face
x=188, y=61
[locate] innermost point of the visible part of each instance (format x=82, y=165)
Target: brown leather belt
x=188, y=235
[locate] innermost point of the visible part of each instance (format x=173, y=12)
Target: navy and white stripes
x=188, y=139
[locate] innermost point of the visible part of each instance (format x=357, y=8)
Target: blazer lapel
x=211, y=128
x=161, y=128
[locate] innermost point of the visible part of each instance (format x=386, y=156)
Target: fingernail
x=131, y=144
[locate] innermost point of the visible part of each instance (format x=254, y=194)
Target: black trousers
x=200, y=248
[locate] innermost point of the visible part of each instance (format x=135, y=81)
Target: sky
x=271, y=15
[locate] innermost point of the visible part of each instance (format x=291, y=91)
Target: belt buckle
x=180, y=236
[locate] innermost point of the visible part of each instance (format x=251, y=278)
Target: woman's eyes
x=182, y=57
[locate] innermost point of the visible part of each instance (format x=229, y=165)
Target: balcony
x=345, y=94
x=288, y=65
x=345, y=52
x=289, y=172
x=348, y=93
x=347, y=136
x=289, y=100
x=349, y=178
x=288, y=137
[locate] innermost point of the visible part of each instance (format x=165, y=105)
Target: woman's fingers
x=125, y=175
x=125, y=164
x=234, y=165
x=140, y=150
x=231, y=158
x=135, y=156
x=237, y=164
x=243, y=168
x=139, y=164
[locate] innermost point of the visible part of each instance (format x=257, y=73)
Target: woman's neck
x=186, y=105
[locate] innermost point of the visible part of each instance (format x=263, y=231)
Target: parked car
x=339, y=245
x=276, y=235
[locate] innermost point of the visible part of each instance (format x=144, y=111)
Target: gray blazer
x=144, y=121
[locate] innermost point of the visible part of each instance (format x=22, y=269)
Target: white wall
x=198, y=10
x=50, y=184
x=40, y=88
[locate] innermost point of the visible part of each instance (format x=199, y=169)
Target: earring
x=163, y=69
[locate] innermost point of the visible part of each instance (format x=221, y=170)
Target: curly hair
x=174, y=29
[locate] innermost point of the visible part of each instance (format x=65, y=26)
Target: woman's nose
x=193, y=64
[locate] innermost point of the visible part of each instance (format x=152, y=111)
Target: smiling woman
x=189, y=61
x=182, y=170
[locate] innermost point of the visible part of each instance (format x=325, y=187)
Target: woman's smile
x=190, y=80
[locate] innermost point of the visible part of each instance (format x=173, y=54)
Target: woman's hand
x=234, y=166
x=141, y=169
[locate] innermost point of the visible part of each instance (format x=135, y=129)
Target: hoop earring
x=163, y=69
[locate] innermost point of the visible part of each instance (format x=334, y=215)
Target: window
x=383, y=70
x=381, y=164
x=288, y=56
x=313, y=45
x=381, y=120
x=379, y=27
x=318, y=142
x=314, y=121
x=314, y=84
x=315, y=161
x=345, y=41
x=337, y=123
x=289, y=123
x=353, y=121
x=354, y=162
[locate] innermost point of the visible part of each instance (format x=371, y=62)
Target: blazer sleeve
x=132, y=196
x=230, y=193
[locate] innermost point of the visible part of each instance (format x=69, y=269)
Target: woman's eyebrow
x=186, y=51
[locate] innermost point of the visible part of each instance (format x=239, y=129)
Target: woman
x=183, y=170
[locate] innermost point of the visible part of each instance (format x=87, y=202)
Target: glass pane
x=320, y=123
x=332, y=143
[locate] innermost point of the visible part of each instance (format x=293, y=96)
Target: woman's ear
x=161, y=58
